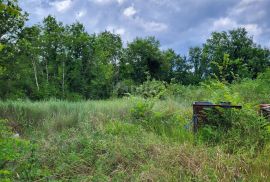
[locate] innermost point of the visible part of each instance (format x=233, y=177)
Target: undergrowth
x=145, y=138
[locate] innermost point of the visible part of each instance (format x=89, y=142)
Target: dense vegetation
x=143, y=131
x=64, y=61
x=137, y=139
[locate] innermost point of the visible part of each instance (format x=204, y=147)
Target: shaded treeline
x=64, y=61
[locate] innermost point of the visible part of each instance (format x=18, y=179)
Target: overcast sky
x=178, y=24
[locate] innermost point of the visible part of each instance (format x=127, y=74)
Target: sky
x=177, y=24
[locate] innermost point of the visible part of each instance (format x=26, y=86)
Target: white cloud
x=40, y=12
x=107, y=1
x=248, y=10
x=154, y=17
x=62, y=6
x=150, y=26
x=171, y=4
x=223, y=23
x=100, y=1
x=80, y=14
x=120, y=1
x=117, y=30
x=130, y=11
x=253, y=29
x=120, y=31
x=228, y=23
x=155, y=26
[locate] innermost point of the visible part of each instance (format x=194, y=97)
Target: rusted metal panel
x=265, y=110
x=199, y=117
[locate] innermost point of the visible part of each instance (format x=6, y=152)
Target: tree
x=240, y=48
x=224, y=70
x=29, y=50
x=197, y=63
x=12, y=20
x=53, y=55
x=177, y=68
x=64, y=61
x=107, y=53
x=143, y=56
x=79, y=60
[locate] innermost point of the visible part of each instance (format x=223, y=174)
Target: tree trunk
x=35, y=73
x=63, y=79
x=47, y=72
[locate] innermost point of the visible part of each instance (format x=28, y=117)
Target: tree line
x=51, y=59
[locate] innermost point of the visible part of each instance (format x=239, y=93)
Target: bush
x=221, y=92
x=13, y=154
x=123, y=88
x=237, y=131
x=152, y=89
x=142, y=108
x=163, y=123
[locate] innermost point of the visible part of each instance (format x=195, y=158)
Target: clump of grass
x=57, y=115
x=167, y=122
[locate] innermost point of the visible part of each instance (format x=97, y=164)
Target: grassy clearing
x=135, y=139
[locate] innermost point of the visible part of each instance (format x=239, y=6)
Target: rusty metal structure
x=199, y=116
x=265, y=110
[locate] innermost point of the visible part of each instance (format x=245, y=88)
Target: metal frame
x=199, y=117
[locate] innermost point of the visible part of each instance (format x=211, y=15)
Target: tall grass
x=57, y=115
x=136, y=139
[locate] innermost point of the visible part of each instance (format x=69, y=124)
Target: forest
x=53, y=60
x=76, y=106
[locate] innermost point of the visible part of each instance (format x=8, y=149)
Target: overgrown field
x=138, y=139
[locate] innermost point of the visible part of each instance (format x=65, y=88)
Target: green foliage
x=221, y=92
x=1, y=47
x=12, y=20
x=119, y=128
x=238, y=131
x=142, y=108
x=144, y=138
x=53, y=60
x=152, y=89
x=13, y=154
x=136, y=139
x=229, y=56
x=124, y=88
x=225, y=68
x=142, y=56
x=164, y=123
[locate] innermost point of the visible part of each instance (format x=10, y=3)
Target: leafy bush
x=152, y=89
x=219, y=92
x=123, y=88
x=164, y=123
x=237, y=131
x=13, y=154
x=142, y=108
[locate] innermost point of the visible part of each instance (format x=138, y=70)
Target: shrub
x=152, y=89
x=219, y=92
x=237, y=131
x=123, y=88
x=12, y=153
x=142, y=108
x=163, y=123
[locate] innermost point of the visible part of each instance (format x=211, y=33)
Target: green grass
x=135, y=139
